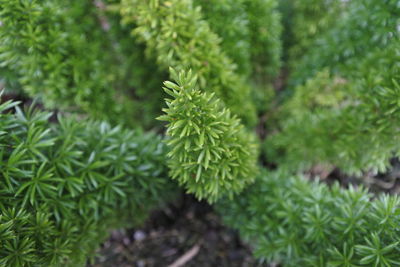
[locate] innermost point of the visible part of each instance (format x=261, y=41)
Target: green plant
x=48, y=50
x=68, y=177
x=175, y=32
x=250, y=35
x=230, y=21
x=301, y=223
x=211, y=153
x=266, y=47
x=64, y=184
x=309, y=20
x=347, y=40
x=75, y=56
x=348, y=120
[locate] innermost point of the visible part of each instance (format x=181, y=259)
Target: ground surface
x=188, y=231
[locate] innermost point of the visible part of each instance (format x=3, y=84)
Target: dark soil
x=188, y=228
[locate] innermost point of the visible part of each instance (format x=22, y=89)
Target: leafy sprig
x=211, y=154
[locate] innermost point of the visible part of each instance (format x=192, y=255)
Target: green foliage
x=66, y=180
x=265, y=40
x=229, y=20
x=349, y=121
x=138, y=74
x=211, y=154
x=322, y=91
x=46, y=47
x=55, y=50
x=361, y=27
x=309, y=19
x=177, y=34
x=62, y=186
x=301, y=223
x=250, y=34
x=266, y=50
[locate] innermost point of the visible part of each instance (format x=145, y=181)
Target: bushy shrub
x=177, y=34
x=306, y=21
x=229, y=20
x=67, y=177
x=64, y=184
x=266, y=47
x=48, y=46
x=344, y=118
x=301, y=223
x=361, y=27
x=75, y=56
